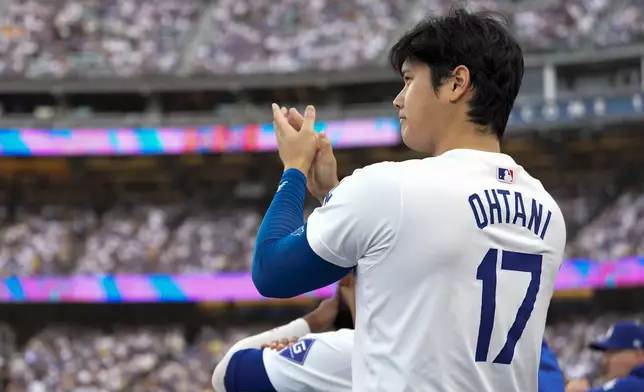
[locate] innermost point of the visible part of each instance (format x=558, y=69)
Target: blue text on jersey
x=505, y=206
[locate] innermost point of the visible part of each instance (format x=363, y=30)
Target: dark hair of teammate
x=477, y=41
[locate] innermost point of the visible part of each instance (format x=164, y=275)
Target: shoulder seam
x=393, y=243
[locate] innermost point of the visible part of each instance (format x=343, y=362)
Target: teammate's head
x=459, y=69
x=623, y=348
x=619, y=363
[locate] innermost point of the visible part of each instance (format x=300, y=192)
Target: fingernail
x=274, y=106
x=310, y=110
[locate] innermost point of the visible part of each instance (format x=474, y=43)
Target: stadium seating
x=123, y=38
x=99, y=38
x=617, y=233
x=182, y=239
x=160, y=359
x=67, y=358
x=95, y=38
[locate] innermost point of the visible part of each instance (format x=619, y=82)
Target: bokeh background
x=137, y=158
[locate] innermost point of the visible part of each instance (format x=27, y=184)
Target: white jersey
x=456, y=259
x=316, y=363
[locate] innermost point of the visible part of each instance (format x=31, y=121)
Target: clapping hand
x=323, y=173
x=297, y=147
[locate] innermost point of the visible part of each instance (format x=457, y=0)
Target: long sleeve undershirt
x=284, y=265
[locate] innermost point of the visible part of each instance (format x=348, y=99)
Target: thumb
x=325, y=142
x=325, y=148
x=309, y=119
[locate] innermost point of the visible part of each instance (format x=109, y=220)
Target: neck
x=469, y=137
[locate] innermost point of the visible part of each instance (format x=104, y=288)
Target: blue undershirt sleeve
x=550, y=375
x=284, y=265
x=246, y=373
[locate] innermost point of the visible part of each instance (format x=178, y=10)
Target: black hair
x=477, y=41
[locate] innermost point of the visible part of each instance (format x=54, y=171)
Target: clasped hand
x=300, y=147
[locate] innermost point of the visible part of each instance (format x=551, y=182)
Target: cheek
x=424, y=101
x=617, y=362
x=414, y=101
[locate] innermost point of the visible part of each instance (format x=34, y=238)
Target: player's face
x=417, y=106
x=426, y=114
x=620, y=363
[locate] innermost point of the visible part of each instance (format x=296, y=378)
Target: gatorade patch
x=298, y=352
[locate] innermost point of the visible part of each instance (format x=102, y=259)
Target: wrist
x=314, y=324
x=323, y=194
x=304, y=169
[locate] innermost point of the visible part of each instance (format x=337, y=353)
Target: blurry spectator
x=617, y=233
x=129, y=37
x=220, y=241
x=127, y=241
x=43, y=242
x=157, y=359
x=257, y=36
x=69, y=359
x=94, y=37
x=190, y=238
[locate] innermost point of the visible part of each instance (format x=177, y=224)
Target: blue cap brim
x=607, y=345
x=599, y=346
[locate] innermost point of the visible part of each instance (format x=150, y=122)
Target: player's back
x=459, y=303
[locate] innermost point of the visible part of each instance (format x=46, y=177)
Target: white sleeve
x=296, y=328
x=359, y=218
x=317, y=363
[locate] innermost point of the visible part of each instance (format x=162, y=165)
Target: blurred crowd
x=570, y=339
x=141, y=239
x=128, y=37
x=94, y=37
x=82, y=359
x=618, y=232
x=161, y=359
x=186, y=238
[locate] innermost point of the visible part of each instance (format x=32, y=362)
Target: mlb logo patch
x=505, y=175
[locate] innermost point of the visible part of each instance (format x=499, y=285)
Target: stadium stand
x=44, y=234
x=126, y=37
x=94, y=38
x=618, y=232
x=161, y=359
x=65, y=358
x=142, y=240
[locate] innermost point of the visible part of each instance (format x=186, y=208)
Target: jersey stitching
x=394, y=241
x=319, y=238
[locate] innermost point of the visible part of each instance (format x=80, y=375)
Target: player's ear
x=459, y=83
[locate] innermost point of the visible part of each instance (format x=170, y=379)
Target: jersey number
x=486, y=273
